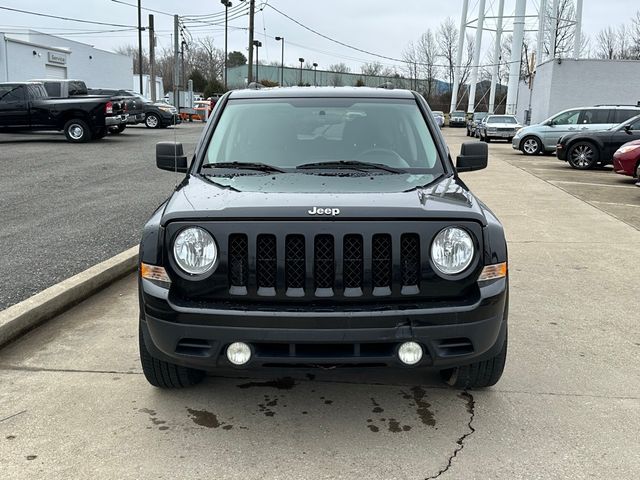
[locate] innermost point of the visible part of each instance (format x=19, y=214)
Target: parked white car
x=498, y=127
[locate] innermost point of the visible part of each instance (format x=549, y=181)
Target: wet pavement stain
x=285, y=383
x=423, y=408
x=373, y=428
x=394, y=425
x=153, y=417
x=204, y=418
x=32, y=457
x=10, y=437
x=468, y=399
x=266, y=406
x=376, y=406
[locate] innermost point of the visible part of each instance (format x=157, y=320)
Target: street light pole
x=281, y=39
x=315, y=72
x=140, y=44
x=301, y=60
x=226, y=4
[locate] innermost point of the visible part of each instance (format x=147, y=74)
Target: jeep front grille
x=324, y=265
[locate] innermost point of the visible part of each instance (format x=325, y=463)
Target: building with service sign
x=24, y=56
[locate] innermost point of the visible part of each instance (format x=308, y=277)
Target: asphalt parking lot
x=73, y=402
x=66, y=207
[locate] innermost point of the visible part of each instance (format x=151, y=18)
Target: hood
x=198, y=198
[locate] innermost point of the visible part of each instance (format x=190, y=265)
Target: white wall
x=583, y=82
x=98, y=68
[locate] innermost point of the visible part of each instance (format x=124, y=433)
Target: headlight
x=628, y=148
x=452, y=250
x=195, y=251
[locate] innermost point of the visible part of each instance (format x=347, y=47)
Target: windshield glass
x=502, y=119
x=294, y=132
x=479, y=116
x=458, y=114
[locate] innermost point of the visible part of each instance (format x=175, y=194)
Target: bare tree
x=448, y=46
x=411, y=60
x=635, y=36
x=606, y=43
x=427, y=54
x=465, y=68
x=564, y=20
x=339, y=68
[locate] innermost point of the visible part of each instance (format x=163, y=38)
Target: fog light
x=238, y=353
x=410, y=353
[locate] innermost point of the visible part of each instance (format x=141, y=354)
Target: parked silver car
x=498, y=126
x=439, y=116
x=543, y=137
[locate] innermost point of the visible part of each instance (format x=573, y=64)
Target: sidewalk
x=568, y=405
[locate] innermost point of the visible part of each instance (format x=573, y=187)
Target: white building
x=560, y=84
x=39, y=55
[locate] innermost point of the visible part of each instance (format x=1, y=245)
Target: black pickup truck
x=78, y=88
x=26, y=106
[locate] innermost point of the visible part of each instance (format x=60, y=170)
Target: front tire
x=152, y=121
x=77, y=131
x=583, y=155
x=163, y=374
x=531, y=146
x=479, y=374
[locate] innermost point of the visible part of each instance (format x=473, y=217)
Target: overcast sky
x=380, y=26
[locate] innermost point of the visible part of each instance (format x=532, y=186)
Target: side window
x=635, y=125
x=622, y=115
x=12, y=94
x=53, y=89
x=596, y=115
x=567, y=118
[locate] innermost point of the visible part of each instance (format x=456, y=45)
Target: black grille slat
x=324, y=262
x=295, y=262
x=410, y=259
x=266, y=261
x=238, y=260
x=381, y=262
x=353, y=261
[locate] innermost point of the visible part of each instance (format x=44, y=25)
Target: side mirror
x=170, y=156
x=473, y=156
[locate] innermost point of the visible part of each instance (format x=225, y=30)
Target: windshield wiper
x=350, y=164
x=262, y=167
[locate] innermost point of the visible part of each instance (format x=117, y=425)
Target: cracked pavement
x=73, y=402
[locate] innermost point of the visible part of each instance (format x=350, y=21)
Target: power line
x=68, y=19
x=361, y=50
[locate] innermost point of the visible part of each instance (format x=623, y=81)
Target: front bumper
x=457, y=123
x=116, y=120
x=198, y=337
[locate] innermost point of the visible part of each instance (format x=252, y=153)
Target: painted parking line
x=614, y=203
x=591, y=184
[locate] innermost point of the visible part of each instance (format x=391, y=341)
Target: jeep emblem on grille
x=324, y=211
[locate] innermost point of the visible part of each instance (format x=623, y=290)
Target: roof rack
x=618, y=105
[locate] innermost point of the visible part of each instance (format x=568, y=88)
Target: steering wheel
x=384, y=156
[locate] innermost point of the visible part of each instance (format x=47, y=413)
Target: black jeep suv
x=322, y=226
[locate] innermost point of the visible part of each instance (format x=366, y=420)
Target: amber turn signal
x=491, y=272
x=155, y=273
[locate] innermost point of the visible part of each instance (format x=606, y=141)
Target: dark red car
x=626, y=160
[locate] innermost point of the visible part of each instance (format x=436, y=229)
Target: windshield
x=458, y=114
x=308, y=139
x=502, y=119
x=479, y=116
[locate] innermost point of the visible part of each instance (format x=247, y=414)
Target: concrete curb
x=23, y=316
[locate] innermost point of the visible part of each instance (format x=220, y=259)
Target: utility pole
x=152, y=60
x=226, y=4
x=257, y=44
x=176, y=62
x=140, y=43
x=252, y=7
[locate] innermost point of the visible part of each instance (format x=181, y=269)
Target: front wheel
x=480, y=374
x=163, y=374
x=77, y=131
x=152, y=121
x=583, y=155
x=531, y=146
